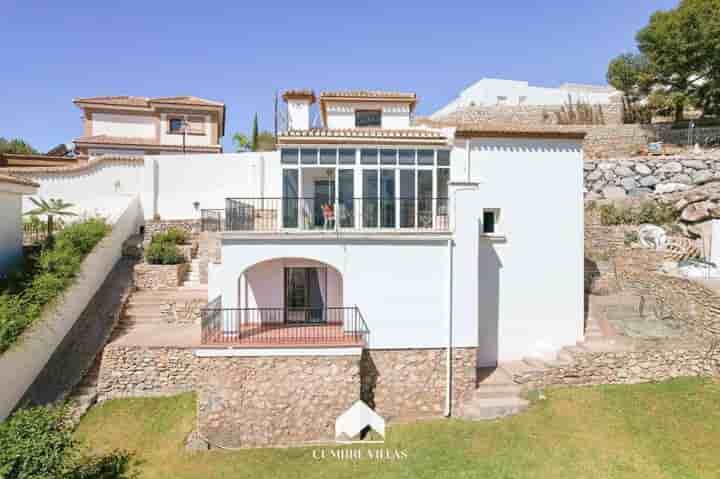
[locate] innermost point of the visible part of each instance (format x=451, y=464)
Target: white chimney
x=298, y=104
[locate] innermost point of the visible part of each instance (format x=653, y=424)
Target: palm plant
x=50, y=208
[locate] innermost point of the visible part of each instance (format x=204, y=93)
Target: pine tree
x=254, y=145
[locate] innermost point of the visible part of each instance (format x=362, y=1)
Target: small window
x=407, y=157
x=365, y=118
x=443, y=157
x=522, y=100
x=289, y=157
x=309, y=156
x=388, y=157
x=347, y=157
x=501, y=100
x=368, y=157
x=425, y=157
x=490, y=219
x=328, y=156
x=176, y=125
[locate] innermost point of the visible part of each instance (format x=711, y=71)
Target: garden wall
x=20, y=365
x=157, y=276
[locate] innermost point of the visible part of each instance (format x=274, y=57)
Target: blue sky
x=241, y=52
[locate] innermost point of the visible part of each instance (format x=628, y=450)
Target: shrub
x=631, y=237
x=82, y=237
x=648, y=212
x=38, y=443
x=172, y=235
x=164, y=253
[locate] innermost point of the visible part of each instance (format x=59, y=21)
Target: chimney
x=298, y=105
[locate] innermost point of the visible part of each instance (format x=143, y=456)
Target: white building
x=12, y=190
x=492, y=92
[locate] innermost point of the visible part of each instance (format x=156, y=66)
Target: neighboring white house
x=492, y=91
x=11, y=224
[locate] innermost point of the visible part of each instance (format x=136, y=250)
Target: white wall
x=530, y=292
x=130, y=126
x=20, y=365
x=167, y=138
x=11, y=230
x=399, y=286
x=341, y=115
x=298, y=114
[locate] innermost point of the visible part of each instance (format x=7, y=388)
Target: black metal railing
x=362, y=214
x=331, y=326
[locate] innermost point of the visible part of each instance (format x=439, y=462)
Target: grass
x=664, y=430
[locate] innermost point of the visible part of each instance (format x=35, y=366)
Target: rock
x=694, y=164
x=589, y=166
x=195, y=443
x=598, y=187
x=670, y=188
x=628, y=184
x=592, y=196
x=639, y=192
x=702, y=177
x=605, y=166
x=613, y=193
x=690, y=198
x=714, y=211
x=671, y=167
x=653, y=237
x=623, y=171
x=696, y=212
x=682, y=178
x=649, y=181
x=594, y=175
x=642, y=169
x=626, y=163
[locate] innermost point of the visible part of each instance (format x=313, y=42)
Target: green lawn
x=650, y=431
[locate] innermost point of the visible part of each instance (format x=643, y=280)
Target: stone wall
x=411, y=383
x=192, y=226
x=666, y=133
x=159, y=276
x=616, y=179
x=614, y=141
x=628, y=367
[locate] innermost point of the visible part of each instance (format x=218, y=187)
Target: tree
x=50, y=208
x=241, y=142
x=265, y=141
x=630, y=73
x=17, y=146
x=683, y=49
x=254, y=135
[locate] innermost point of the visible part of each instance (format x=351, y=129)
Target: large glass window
x=347, y=157
x=443, y=157
x=407, y=157
x=387, y=198
x=442, y=176
x=309, y=156
x=407, y=198
x=289, y=156
x=346, y=193
x=368, y=118
x=425, y=198
x=370, y=198
x=290, y=198
x=388, y=157
x=425, y=157
x=368, y=156
x=328, y=156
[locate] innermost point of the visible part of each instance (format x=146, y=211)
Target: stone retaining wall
x=411, y=383
x=627, y=367
x=159, y=276
x=191, y=226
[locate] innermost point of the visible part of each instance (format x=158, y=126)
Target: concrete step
x=492, y=408
x=535, y=363
x=497, y=390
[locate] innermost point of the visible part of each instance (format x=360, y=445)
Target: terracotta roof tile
x=144, y=102
x=17, y=181
x=372, y=94
x=494, y=128
x=79, y=168
x=363, y=133
x=299, y=93
x=116, y=140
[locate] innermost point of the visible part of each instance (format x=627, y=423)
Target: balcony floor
x=284, y=336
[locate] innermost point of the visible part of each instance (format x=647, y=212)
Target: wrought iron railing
x=363, y=214
x=331, y=326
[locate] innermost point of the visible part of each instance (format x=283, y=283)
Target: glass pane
x=407, y=198
x=368, y=118
x=323, y=204
x=407, y=157
x=328, y=156
x=488, y=222
x=443, y=157
x=441, y=213
x=347, y=157
x=308, y=157
x=387, y=198
x=424, y=198
x=346, y=191
x=368, y=157
x=388, y=157
x=370, y=198
x=289, y=157
x=425, y=157
x=290, y=198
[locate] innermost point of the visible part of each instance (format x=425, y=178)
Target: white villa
x=370, y=258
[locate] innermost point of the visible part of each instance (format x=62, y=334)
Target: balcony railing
x=284, y=327
x=360, y=214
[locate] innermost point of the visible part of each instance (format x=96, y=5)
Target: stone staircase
x=496, y=396
x=192, y=277
x=147, y=307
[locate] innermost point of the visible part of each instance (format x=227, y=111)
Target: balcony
x=417, y=214
x=284, y=327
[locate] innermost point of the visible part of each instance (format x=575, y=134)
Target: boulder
x=627, y=163
x=651, y=236
x=628, y=184
x=649, y=181
x=694, y=164
x=639, y=192
x=614, y=193
x=690, y=198
x=642, y=169
x=623, y=171
x=671, y=167
x=697, y=212
x=682, y=178
x=714, y=212
x=702, y=177
x=670, y=188
x=605, y=166
x=594, y=175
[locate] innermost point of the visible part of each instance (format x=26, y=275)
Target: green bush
x=25, y=293
x=648, y=212
x=172, y=235
x=164, y=253
x=37, y=443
